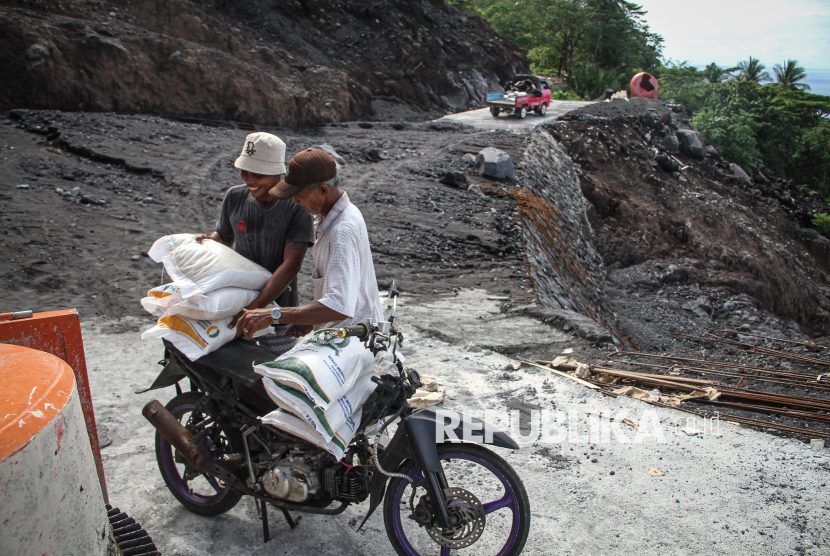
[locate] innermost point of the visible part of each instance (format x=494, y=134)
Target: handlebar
x=361, y=331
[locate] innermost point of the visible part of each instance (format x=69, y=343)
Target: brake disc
x=468, y=513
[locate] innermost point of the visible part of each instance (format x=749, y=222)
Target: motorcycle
x=437, y=495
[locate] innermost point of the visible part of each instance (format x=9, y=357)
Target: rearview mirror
x=393, y=289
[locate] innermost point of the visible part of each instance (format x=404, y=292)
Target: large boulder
x=326, y=148
x=495, y=163
x=671, y=143
x=691, y=143
x=742, y=176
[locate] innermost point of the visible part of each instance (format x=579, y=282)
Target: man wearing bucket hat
x=271, y=232
x=345, y=287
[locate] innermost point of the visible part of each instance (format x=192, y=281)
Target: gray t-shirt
x=260, y=231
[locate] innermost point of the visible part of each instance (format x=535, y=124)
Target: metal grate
x=131, y=539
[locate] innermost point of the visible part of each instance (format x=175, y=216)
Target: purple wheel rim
x=508, y=500
x=178, y=482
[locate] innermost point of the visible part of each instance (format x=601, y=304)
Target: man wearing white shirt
x=345, y=286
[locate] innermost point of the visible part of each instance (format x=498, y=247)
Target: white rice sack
x=194, y=337
x=218, y=304
x=160, y=298
x=321, y=365
x=292, y=424
x=328, y=422
x=199, y=268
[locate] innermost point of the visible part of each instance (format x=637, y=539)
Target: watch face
x=276, y=313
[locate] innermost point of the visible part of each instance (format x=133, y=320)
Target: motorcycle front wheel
x=199, y=493
x=486, y=496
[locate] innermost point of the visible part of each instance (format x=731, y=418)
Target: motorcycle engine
x=293, y=479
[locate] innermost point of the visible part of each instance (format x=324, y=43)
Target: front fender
x=417, y=439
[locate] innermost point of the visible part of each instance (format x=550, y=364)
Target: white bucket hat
x=262, y=153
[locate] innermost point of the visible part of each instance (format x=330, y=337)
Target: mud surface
x=134, y=179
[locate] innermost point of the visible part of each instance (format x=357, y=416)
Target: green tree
x=753, y=70
x=591, y=81
x=788, y=76
x=558, y=35
x=716, y=74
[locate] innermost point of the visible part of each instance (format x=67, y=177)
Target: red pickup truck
x=522, y=93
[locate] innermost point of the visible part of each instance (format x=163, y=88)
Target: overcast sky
x=728, y=31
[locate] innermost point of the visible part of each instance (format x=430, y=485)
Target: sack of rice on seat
x=327, y=422
x=218, y=304
x=322, y=366
x=193, y=337
x=199, y=268
x=292, y=424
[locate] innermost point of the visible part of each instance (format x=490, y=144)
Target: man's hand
x=215, y=236
x=253, y=321
x=236, y=318
x=299, y=330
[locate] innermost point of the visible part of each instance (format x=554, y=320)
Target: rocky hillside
x=287, y=63
x=665, y=206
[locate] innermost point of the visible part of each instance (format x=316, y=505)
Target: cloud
x=725, y=31
x=765, y=46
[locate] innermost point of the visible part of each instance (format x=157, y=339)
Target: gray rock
x=738, y=171
x=135, y=258
x=454, y=179
x=691, y=142
x=469, y=159
x=495, y=163
x=326, y=148
x=671, y=143
x=701, y=307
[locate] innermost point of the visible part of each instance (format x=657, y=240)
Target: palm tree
x=788, y=77
x=753, y=70
x=716, y=74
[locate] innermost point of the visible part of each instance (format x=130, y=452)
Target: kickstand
x=292, y=523
x=265, y=531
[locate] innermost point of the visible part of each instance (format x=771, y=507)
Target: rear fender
x=169, y=375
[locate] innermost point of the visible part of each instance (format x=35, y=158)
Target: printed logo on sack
x=242, y=226
x=329, y=339
x=250, y=150
x=212, y=332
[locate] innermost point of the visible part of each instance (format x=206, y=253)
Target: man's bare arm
x=313, y=313
x=292, y=262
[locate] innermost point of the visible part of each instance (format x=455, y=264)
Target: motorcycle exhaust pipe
x=196, y=454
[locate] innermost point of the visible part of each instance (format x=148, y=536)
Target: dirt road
x=718, y=489
x=482, y=119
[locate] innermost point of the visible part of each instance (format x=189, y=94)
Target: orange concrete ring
x=36, y=388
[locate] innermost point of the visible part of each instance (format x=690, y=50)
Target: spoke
x=213, y=483
x=505, y=500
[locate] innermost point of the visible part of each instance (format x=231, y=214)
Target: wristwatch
x=275, y=316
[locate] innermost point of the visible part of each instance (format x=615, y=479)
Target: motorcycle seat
x=236, y=359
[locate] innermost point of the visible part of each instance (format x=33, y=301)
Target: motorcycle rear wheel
x=490, y=480
x=201, y=494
